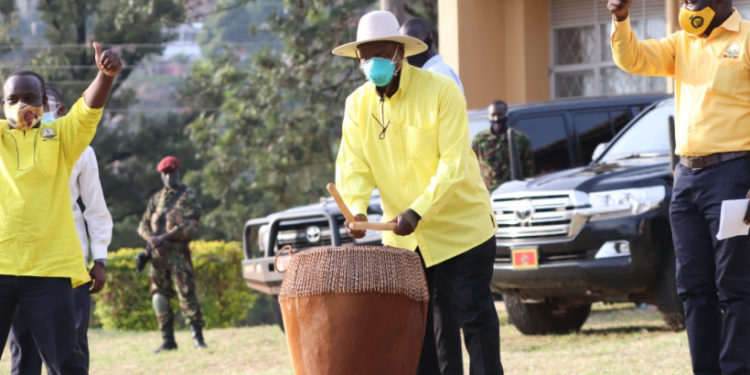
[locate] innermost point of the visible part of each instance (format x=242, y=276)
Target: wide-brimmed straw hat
x=380, y=25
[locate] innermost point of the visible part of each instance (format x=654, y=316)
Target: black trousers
x=460, y=298
x=45, y=306
x=713, y=276
x=24, y=356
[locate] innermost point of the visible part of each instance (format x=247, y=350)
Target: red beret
x=168, y=163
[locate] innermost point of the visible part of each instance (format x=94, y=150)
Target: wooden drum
x=354, y=310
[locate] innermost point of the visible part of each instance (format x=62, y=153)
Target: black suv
x=563, y=133
x=594, y=233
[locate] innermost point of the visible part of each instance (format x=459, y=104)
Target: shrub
x=125, y=302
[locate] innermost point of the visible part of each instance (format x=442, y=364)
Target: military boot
x=197, y=331
x=168, y=343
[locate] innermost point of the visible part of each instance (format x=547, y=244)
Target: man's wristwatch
x=102, y=261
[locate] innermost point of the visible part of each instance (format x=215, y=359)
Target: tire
x=543, y=318
x=277, y=312
x=665, y=294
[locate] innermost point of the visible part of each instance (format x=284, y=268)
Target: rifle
x=143, y=258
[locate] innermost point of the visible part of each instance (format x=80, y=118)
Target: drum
x=354, y=310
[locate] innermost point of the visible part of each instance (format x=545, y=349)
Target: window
x=592, y=128
x=649, y=136
x=620, y=118
x=581, y=56
x=549, y=141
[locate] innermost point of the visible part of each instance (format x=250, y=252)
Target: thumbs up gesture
x=107, y=61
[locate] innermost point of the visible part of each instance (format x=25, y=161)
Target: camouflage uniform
x=494, y=159
x=171, y=261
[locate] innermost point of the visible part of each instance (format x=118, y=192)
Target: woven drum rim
x=355, y=269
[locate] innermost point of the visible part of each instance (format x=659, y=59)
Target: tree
x=272, y=142
x=127, y=144
x=396, y=7
x=270, y=139
x=133, y=26
x=8, y=29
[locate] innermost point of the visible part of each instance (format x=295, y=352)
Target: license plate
x=525, y=258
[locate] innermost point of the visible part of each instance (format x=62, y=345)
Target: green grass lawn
x=616, y=339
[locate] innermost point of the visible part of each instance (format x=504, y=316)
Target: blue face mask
x=379, y=71
x=48, y=117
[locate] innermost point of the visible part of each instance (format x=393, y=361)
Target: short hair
x=500, y=102
x=53, y=89
x=22, y=73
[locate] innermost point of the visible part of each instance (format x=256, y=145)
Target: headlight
x=636, y=200
x=263, y=238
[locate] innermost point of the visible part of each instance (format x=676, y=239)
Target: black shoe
x=168, y=343
x=166, y=346
x=198, y=337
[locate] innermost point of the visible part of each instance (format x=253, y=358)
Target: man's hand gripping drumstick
x=356, y=225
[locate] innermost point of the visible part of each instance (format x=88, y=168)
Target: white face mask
x=51, y=113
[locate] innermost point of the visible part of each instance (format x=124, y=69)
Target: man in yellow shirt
x=405, y=131
x=710, y=63
x=40, y=254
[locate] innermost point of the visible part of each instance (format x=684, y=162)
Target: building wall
x=503, y=49
x=500, y=48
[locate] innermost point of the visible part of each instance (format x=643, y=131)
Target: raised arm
x=650, y=57
x=109, y=65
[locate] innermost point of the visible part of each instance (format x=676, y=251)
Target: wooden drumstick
x=340, y=202
x=364, y=225
x=356, y=225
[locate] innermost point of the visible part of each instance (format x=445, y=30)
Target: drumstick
x=356, y=225
x=340, y=202
x=363, y=225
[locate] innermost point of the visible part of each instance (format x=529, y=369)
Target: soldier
x=169, y=222
x=491, y=147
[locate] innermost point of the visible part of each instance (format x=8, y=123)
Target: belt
x=700, y=162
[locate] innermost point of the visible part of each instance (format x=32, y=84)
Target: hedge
x=125, y=301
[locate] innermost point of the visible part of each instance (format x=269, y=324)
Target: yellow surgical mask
x=696, y=22
x=23, y=116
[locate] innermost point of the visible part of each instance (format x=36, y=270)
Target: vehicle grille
x=534, y=216
x=302, y=234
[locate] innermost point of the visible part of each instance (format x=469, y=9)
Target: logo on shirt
x=48, y=133
x=732, y=52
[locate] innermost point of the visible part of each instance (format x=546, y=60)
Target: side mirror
x=598, y=150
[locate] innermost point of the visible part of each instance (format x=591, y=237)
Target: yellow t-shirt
x=37, y=233
x=424, y=162
x=712, y=82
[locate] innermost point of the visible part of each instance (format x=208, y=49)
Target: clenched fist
x=619, y=9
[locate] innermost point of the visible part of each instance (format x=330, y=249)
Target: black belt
x=700, y=162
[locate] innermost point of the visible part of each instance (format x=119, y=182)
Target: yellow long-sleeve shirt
x=712, y=82
x=37, y=233
x=424, y=162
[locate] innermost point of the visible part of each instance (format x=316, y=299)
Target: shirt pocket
x=728, y=77
x=48, y=156
x=422, y=142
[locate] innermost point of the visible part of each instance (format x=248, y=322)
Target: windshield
x=647, y=137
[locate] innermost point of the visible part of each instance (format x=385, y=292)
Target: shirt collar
x=733, y=22
x=432, y=61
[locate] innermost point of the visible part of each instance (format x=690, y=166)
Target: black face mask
x=499, y=126
x=171, y=180
x=419, y=59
